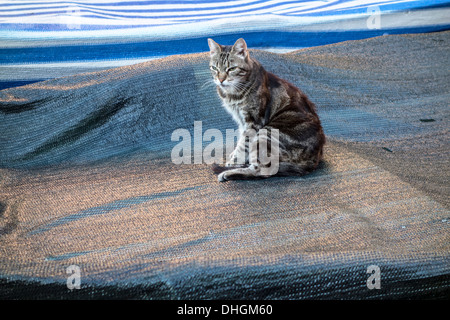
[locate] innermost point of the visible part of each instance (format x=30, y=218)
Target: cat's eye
x=231, y=69
x=213, y=68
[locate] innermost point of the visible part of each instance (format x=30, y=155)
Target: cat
x=257, y=99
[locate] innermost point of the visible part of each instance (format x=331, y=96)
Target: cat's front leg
x=237, y=156
x=240, y=155
x=231, y=159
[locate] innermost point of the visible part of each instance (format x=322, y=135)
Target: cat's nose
x=222, y=78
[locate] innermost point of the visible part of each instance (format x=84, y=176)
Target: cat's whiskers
x=244, y=89
x=207, y=84
x=238, y=86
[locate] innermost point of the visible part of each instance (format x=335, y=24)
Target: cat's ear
x=214, y=47
x=240, y=48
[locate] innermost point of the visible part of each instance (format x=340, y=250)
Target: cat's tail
x=290, y=169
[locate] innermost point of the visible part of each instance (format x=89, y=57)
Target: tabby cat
x=258, y=100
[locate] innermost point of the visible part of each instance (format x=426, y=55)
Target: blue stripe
x=62, y=27
x=110, y=207
x=192, y=45
x=17, y=83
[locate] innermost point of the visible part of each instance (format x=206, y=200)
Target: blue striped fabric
x=46, y=39
x=30, y=15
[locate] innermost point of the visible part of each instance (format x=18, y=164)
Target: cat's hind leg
x=253, y=171
x=248, y=173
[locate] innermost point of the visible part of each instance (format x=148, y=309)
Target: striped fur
x=257, y=99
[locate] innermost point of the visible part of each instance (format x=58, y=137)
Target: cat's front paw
x=222, y=177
